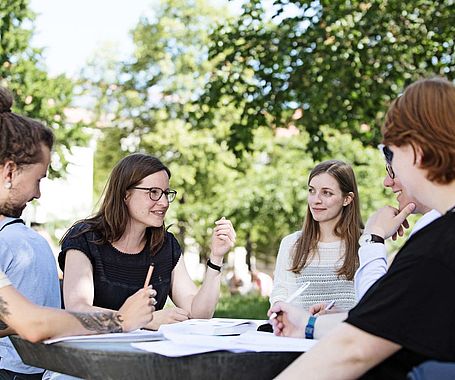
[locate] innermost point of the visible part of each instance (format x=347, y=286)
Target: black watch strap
x=214, y=266
x=377, y=239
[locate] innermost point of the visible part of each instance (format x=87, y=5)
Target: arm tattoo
x=101, y=322
x=3, y=312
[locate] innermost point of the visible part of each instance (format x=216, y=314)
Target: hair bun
x=6, y=100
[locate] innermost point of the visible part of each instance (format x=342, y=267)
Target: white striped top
x=325, y=285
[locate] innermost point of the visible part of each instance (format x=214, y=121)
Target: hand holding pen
x=292, y=297
x=321, y=308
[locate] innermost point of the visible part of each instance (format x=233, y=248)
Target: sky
x=71, y=31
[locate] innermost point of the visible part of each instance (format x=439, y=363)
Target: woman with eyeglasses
x=324, y=252
x=106, y=258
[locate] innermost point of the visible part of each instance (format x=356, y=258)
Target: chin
x=156, y=224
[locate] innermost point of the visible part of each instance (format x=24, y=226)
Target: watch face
x=365, y=239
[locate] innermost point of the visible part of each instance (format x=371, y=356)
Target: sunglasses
x=388, y=155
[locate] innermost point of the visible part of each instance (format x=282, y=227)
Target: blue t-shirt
x=27, y=260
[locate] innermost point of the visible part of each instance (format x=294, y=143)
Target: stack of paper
x=214, y=326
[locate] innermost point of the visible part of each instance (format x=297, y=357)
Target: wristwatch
x=214, y=266
x=370, y=238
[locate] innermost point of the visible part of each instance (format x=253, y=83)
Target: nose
x=314, y=198
x=37, y=194
x=388, y=182
x=163, y=201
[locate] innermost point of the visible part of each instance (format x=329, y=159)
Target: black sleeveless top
x=117, y=275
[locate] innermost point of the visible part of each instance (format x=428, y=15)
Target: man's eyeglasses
x=155, y=193
x=388, y=155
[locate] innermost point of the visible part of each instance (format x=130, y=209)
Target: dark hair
x=21, y=138
x=348, y=227
x=424, y=117
x=112, y=218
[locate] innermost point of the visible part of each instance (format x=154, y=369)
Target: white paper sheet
x=133, y=336
x=186, y=344
x=172, y=349
x=213, y=326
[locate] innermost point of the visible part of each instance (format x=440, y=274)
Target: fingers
x=150, y=291
x=277, y=307
x=224, y=231
x=178, y=314
x=407, y=210
x=317, y=308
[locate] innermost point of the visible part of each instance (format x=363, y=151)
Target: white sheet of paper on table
x=213, y=326
x=132, y=336
x=185, y=344
x=173, y=349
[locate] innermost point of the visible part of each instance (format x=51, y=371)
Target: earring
x=7, y=185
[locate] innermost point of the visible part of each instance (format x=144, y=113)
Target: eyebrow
x=323, y=188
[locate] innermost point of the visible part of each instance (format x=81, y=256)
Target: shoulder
x=289, y=240
x=80, y=231
x=78, y=228
x=19, y=234
x=170, y=240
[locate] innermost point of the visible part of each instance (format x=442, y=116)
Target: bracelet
x=309, y=329
x=214, y=266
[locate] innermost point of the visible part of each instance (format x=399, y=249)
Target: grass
x=248, y=307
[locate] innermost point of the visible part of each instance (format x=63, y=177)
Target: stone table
x=109, y=360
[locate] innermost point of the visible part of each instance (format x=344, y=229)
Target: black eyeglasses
x=388, y=155
x=155, y=193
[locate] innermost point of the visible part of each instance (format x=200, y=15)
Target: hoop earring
x=7, y=185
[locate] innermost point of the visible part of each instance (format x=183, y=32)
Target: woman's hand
x=223, y=239
x=137, y=310
x=166, y=316
x=291, y=320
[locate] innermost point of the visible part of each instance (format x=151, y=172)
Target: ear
x=348, y=199
x=127, y=195
x=7, y=171
x=418, y=155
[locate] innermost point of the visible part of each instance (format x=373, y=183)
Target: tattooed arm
x=36, y=323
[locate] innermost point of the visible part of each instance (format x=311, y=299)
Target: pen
x=149, y=275
x=330, y=305
x=292, y=297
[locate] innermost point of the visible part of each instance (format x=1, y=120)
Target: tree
x=21, y=70
x=148, y=101
x=333, y=63
x=145, y=100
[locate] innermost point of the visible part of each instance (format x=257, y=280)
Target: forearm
x=283, y=279
x=279, y=293
x=326, y=323
x=36, y=323
x=373, y=265
x=346, y=353
x=205, y=301
x=84, y=307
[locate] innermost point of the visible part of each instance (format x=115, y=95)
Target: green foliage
x=149, y=103
x=337, y=63
x=36, y=94
x=247, y=307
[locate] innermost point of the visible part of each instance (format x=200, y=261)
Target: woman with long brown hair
x=324, y=252
x=105, y=258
